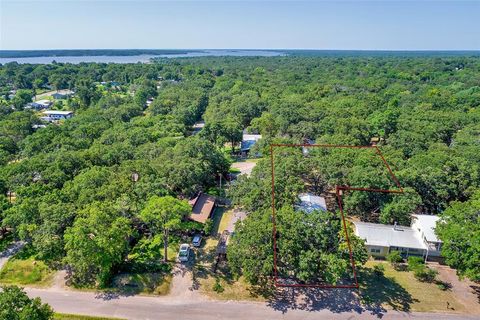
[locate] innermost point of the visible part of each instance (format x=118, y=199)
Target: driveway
x=11, y=250
x=464, y=290
x=245, y=167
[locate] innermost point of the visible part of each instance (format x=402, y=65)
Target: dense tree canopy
x=423, y=111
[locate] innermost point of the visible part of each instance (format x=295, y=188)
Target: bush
x=394, y=258
x=379, y=269
x=208, y=227
x=414, y=263
x=217, y=287
x=425, y=274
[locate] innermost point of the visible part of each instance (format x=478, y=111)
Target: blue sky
x=364, y=25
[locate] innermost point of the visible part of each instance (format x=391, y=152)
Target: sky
x=314, y=24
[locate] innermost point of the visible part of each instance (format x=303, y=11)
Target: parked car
x=197, y=240
x=184, y=252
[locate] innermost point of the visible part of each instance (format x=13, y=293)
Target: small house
x=248, y=141
x=39, y=105
x=381, y=239
x=56, y=115
x=202, y=207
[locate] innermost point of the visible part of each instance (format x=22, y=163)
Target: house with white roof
x=310, y=202
x=419, y=239
x=248, y=141
x=382, y=239
x=39, y=105
x=56, y=115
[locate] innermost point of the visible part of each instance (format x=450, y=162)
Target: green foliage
x=459, y=230
x=217, y=287
x=425, y=274
x=415, y=263
x=379, y=269
x=394, y=257
x=146, y=256
x=208, y=227
x=16, y=305
x=96, y=243
x=163, y=214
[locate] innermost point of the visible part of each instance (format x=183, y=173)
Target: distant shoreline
x=206, y=52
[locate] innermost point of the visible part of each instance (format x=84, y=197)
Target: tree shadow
x=377, y=290
x=476, y=291
x=375, y=294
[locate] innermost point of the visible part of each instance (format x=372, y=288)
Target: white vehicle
x=197, y=240
x=184, y=252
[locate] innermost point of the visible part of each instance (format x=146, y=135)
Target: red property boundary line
x=339, y=192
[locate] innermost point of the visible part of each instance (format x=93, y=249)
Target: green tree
x=16, y=305
x=97, y=241
x=459, y=229
x=164, y=214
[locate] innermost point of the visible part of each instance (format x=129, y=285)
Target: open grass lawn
x=64, y=316
x=400, y=290
x=142, y=283
x=23, y=269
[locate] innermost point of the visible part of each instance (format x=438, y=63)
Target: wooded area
x=75, y=202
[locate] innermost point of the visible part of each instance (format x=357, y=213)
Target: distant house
x=309, y=202
x=62, y=94
x=202, y=207
x=425, y=225
x=382, y=239
x=56, y=115
x=248, y=141
x=39, y=105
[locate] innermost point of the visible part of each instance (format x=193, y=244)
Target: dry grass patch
x=400, y=290
x=26, y=272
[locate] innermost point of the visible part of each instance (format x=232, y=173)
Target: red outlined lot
x=339, y=190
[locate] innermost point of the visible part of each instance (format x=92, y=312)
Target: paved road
x=138, y=307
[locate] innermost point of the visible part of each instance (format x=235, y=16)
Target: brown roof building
x=202, y=208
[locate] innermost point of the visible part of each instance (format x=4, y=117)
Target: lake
x=144, y=58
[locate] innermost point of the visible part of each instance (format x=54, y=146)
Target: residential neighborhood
x=245, y=160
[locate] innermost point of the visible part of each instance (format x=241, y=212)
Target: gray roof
x=310, y=202
x=389, y=236
x=427, y=224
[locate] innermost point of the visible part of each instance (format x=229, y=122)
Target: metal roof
x=389, y=236
x=310, y=202
x=427, y=224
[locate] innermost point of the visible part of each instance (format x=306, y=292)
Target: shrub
x=208, y=227
x=425, y=274
x=394, y=258
x=414, y=263
x=217, y=287
x=379, y=269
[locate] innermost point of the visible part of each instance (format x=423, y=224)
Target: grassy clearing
x=26, y=272
x=225, y=220
x=65, y=316
x=232, y=290
x=399, y=290
x=142, y=283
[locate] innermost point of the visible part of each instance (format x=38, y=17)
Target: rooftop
x=427, y=223
x=388, y=235
x=202, y=208
x=310, y=202
x=48, y=112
